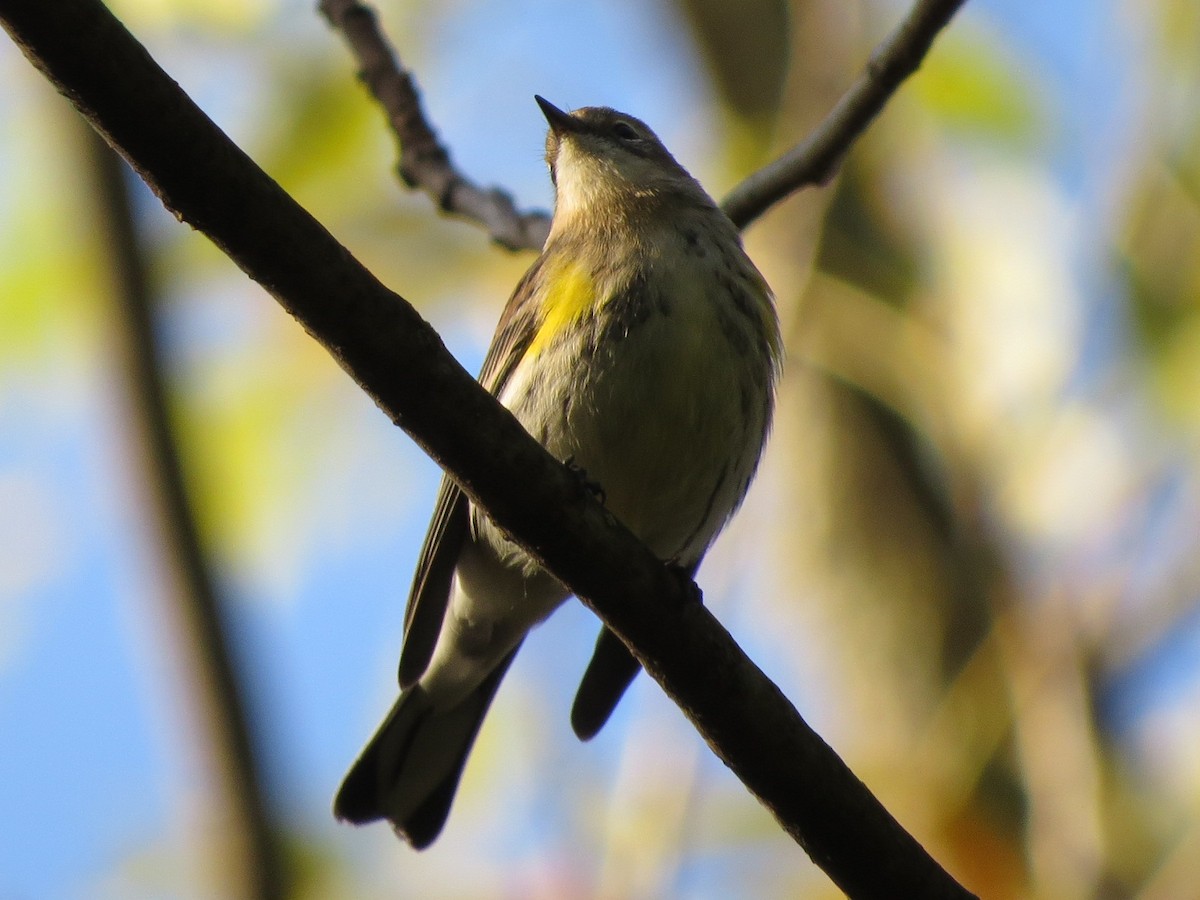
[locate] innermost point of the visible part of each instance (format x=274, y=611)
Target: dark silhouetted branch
x=399, y=360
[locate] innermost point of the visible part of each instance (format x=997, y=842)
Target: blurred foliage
x=225, y=17
x=745, y=48
x=971, y=85
x=969, y=557
x=1161, y=249
x=49, y=257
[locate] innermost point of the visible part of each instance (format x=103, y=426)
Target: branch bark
x=397, y=358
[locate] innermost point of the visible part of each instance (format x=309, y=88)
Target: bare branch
x=398, y=359
x=425, y=162
x=816, y=159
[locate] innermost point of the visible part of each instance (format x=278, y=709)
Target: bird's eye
x=625, y=131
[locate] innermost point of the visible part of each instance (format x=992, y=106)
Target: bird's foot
x=686, y=576
x=592, y=487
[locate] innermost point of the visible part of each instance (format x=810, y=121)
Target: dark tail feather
x=409, y=771
x=610, y=672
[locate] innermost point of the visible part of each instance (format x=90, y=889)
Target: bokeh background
x=970, y=557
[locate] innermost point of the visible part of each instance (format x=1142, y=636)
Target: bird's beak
x=560, y=122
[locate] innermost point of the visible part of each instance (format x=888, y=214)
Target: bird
x=641, y=347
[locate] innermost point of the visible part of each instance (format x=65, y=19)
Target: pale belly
x=669, y=422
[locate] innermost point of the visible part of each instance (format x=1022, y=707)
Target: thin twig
x=398, y=359
x=425, y=162
x=816, y=159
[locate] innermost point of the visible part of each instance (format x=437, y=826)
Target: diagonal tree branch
x=425, y=163
x=816, y=159
x=397, y=358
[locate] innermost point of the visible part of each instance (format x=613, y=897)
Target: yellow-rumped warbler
x=643, y=347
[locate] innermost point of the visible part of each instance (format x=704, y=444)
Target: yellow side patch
x=570, y=293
